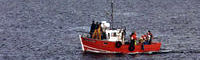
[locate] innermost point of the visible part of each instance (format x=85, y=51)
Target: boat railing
x=85, y=35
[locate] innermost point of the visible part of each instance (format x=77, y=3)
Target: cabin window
x=114, y=34
x=108, y=35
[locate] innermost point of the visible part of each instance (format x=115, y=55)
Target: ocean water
x=49, y=29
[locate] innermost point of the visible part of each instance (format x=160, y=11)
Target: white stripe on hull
x=105, y=51
x=81, y=43
x=98, y=50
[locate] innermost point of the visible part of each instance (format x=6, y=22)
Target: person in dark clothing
x=95, y=33
x=150, y=36
x=142, y=46
x=103, y=35
x=92, y=28
x=124, y=32
x=133, y=37
x=96, y=25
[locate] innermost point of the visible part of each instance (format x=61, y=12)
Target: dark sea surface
x=48, y=29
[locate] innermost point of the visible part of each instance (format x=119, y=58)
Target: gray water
x=47, y=29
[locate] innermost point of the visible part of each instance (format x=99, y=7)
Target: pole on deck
x=112, y=14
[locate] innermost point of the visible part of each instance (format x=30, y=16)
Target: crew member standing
x=133, y=38
x=99, y=31
x=150, y=35
x=144, y=41
x=92, y=28
x=95, y=33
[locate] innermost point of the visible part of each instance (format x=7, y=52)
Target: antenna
x=112, y=14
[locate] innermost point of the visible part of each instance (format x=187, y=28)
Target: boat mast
x=112, y=14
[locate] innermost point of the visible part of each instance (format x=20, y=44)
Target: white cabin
x=112, y=35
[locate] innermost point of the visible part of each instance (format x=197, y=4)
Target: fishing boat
x=115, y=42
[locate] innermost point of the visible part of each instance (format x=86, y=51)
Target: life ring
x=118, y=44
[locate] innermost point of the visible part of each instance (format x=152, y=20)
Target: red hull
x=103, y=46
